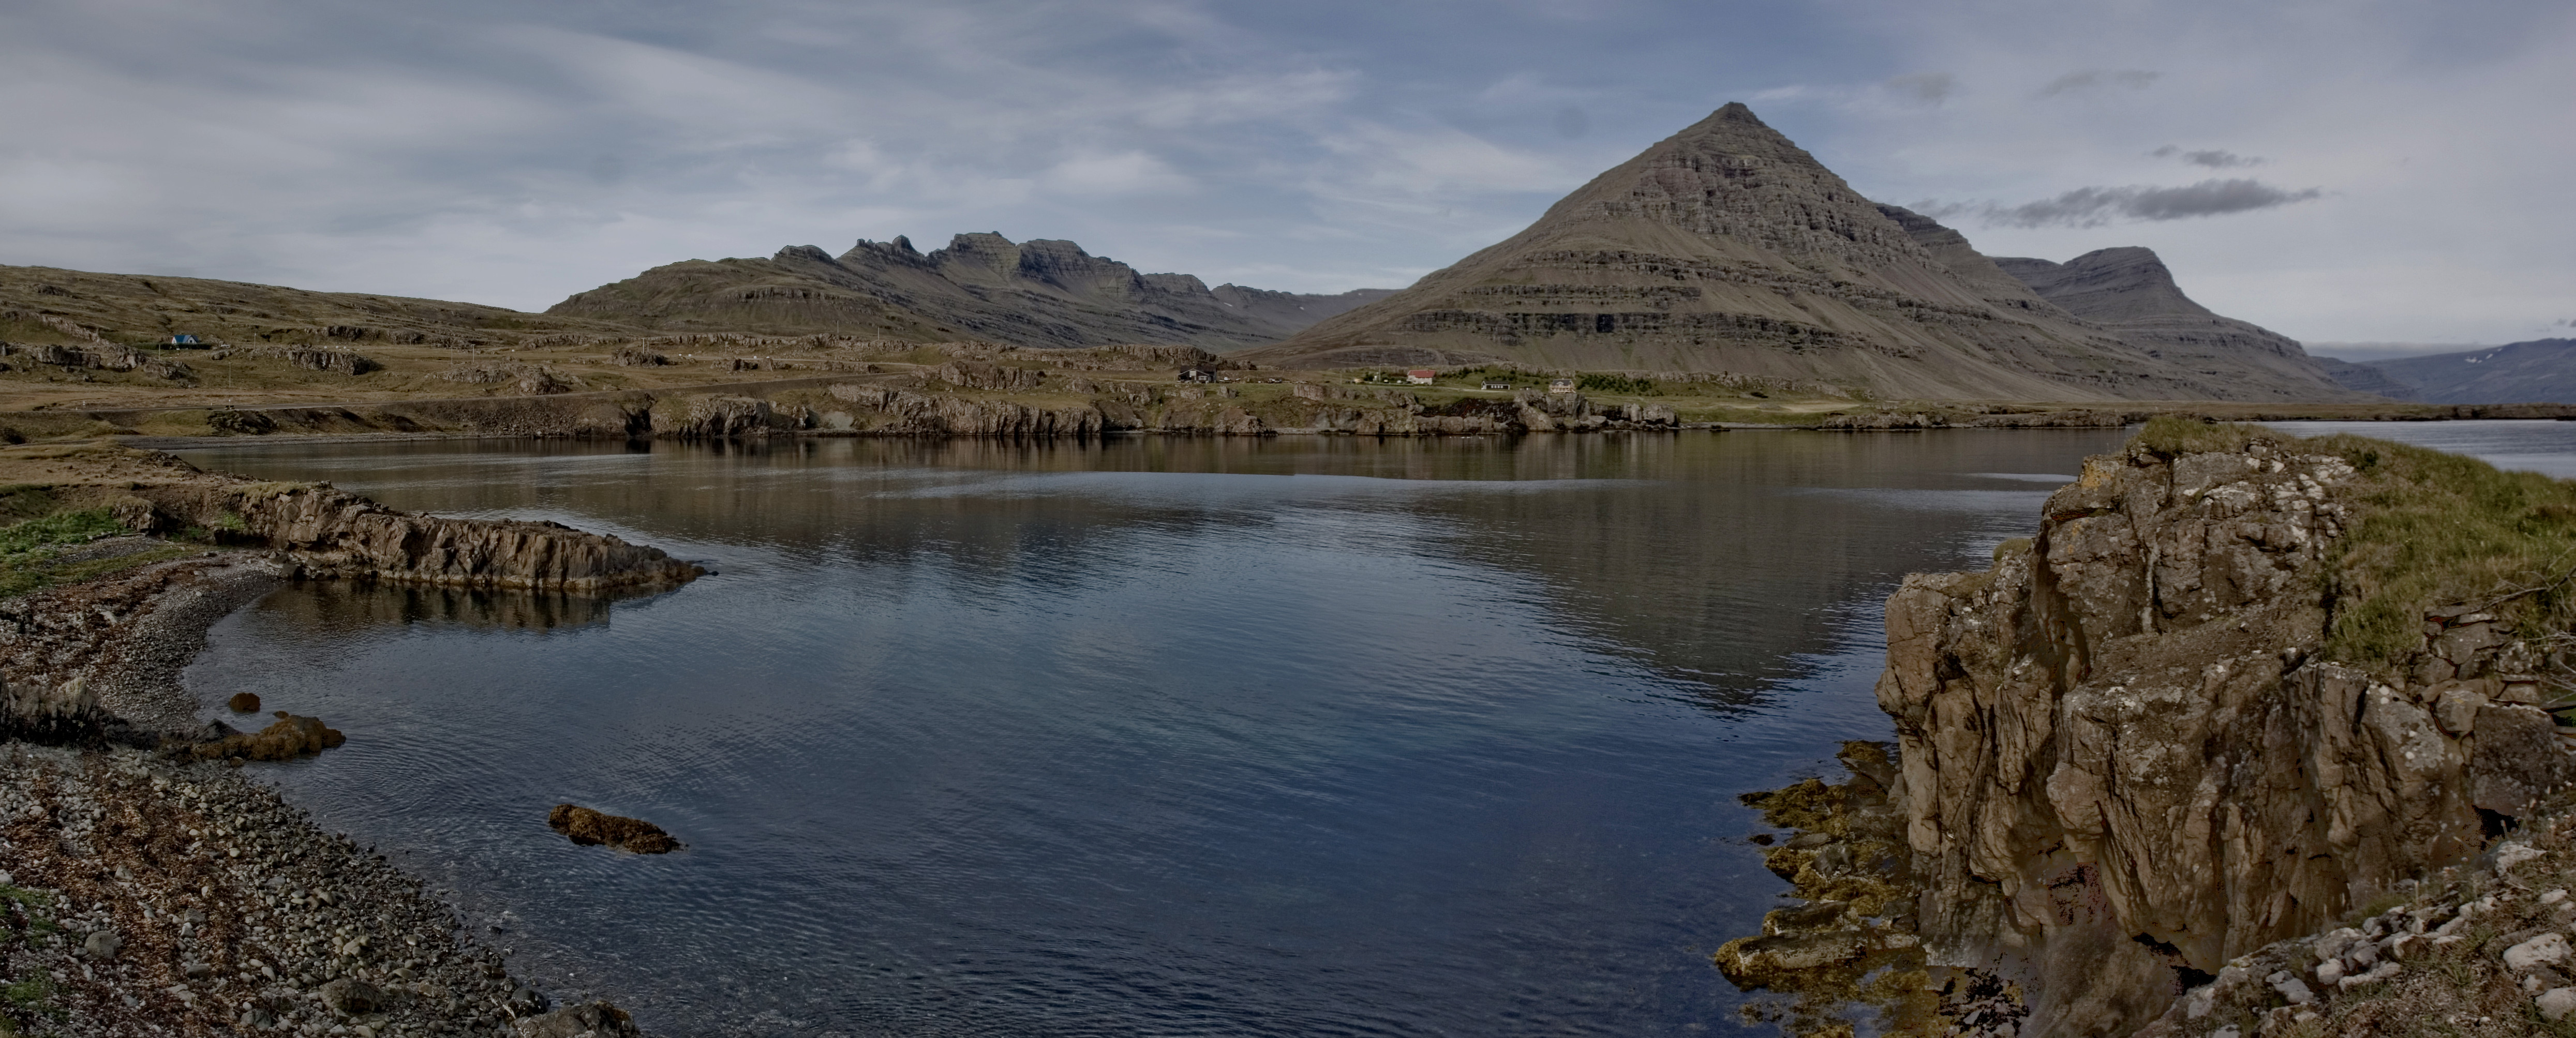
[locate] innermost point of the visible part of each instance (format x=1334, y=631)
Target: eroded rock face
x=2119, y=760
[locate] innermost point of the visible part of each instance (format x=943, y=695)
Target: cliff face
x=2124, y=763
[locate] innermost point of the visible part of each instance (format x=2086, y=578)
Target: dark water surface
x=1157, y=737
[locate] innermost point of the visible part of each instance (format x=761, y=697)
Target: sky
x=2349, y=172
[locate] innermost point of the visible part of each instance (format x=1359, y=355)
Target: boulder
x=592, y=1020
x=593, y=828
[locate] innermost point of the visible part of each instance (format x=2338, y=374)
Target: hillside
x=47, y=304
x=1728, y=248
x=2542, y=370
x=1037, y=293
x=2366, y=378
x=2132, y=294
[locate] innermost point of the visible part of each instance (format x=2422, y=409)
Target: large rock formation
x=1035, y=293
x=2126, y=761
x=2129, y=292
x=2542, y=370
x=1727, y=248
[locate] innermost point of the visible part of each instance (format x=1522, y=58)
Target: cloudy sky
x=2343, y=171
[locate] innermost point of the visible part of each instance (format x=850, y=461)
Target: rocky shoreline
x=2255, y=737
x=148, y=890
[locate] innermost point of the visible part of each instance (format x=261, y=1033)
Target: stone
x=2555, y=1003
x=243, y=703
x=349, y=996
x=591, y=1020
x=2512, y=854
x=592, y=828
x=2292, y=988
x=2548, y=949
x=2330, y=971
x=103, y=945
x=288, y=738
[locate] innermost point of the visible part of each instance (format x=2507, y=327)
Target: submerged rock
x=291, y=736
x=243, y=702
x=590, y=828
x=594, y=1020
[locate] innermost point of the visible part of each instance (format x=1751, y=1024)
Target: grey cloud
x=2095, y=79
x=1571, y=122
x=2097, y=206
x=1927, y=87
x=2213, y=158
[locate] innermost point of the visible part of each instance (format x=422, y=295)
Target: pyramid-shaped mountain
x=1728, y=248
x=1039, y=293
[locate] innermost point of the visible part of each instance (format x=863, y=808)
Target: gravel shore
x=145, y=894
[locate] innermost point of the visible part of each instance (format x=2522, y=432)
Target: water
x=2548, y=448
x=1157, y=737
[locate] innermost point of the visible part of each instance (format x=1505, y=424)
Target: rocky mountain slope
x=2368, y=378
x=1035, y=293
x=2542, y=370
x=1728, y=248
x=2130, y=292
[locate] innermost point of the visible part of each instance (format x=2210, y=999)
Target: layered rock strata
x=1728, y=248
x=2130, y=292
x=2124, y=763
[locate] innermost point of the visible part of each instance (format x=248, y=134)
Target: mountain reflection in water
x=1157, y=735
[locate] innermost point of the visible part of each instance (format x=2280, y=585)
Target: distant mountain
x=43, y=304
x=2365, y=378
x=1727, y=248
x=2539, y=371
x=2130, y=292
x=1036, y=293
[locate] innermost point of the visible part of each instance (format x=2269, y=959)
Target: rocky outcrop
x=592, y=828
x=43, y=712
x=101, y=356
x=2125, y=762
x=323, y=532
x=315, y=358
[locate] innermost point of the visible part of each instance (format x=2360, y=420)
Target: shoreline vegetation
x=2257, y=736
x=147, y=886
x=736, y=386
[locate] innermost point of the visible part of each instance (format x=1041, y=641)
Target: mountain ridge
x=2129, y=292
x=1041, y=292
x=1726, y=247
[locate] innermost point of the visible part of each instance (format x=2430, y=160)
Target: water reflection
x=336, y=604
x=1295, y=737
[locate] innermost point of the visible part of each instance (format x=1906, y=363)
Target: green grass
x=28, y=547
x=2438, y=529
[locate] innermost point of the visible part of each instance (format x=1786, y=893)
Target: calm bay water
x=1152, y=737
